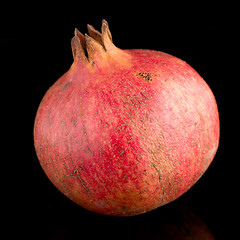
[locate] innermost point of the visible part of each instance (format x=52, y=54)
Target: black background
x=36, y=53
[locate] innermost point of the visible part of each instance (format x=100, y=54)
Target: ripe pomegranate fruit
x=123, y=132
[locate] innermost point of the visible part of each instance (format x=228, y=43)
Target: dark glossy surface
x=35, y=58
x=173, y=222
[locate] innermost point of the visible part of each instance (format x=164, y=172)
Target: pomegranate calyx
x=95, y=47
x=95, y=34
x=78, y=47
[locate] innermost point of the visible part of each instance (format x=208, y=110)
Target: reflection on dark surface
x=169, y=222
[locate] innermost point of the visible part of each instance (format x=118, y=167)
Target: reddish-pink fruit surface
x=123, y=132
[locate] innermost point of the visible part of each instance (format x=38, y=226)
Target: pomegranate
x=123, y=132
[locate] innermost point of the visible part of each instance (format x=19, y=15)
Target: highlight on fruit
x=123, y=132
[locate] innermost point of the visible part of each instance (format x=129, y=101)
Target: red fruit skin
x=128, y=137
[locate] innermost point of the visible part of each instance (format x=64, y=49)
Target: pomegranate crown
x=95, y=47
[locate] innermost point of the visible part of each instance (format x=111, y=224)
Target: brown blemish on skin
x=146, y=76
x=74, y=121
x=122, y=152
x=77, y=175
x=67, y=85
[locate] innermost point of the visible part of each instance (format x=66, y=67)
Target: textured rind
x=123, y=140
